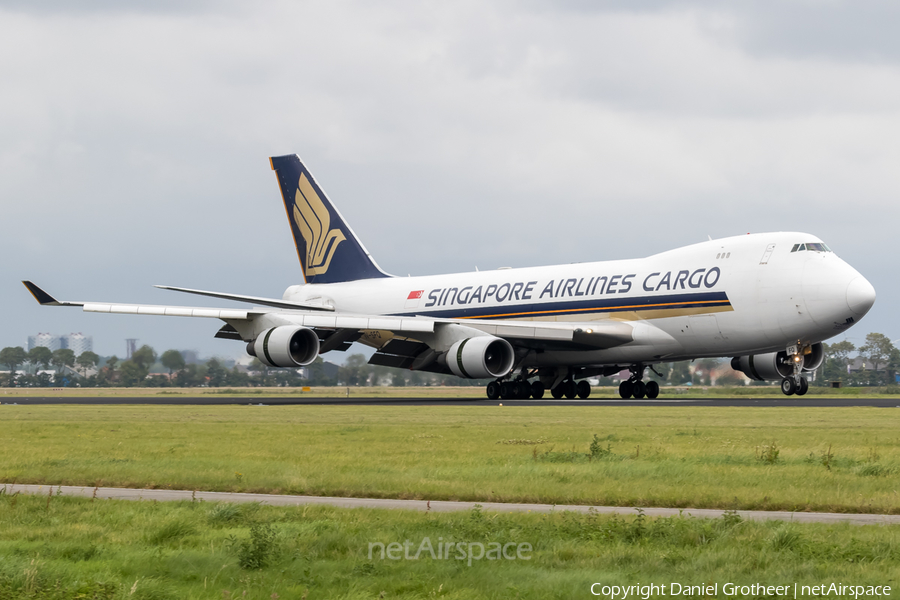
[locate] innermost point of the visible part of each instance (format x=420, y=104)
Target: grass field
x=68, y=548
x=836, y=459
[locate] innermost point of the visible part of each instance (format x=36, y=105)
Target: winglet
x=45, y=299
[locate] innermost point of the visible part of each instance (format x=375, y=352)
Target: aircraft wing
x=337, y=330
x=297, y=314
x=45, y=299
x=318, y=317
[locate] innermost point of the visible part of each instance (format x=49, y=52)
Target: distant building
x=76, y=342
x=79, y=343
x=862, y=364
x=47, y=340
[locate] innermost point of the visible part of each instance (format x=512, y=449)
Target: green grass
x=71, y=548
x=824, y=459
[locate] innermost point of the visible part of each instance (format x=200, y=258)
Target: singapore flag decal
x=412, y=301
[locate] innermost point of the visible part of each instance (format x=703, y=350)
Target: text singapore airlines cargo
x=767, y=299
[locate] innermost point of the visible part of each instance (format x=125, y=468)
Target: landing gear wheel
x=652, y=389
x=625, y=389
x=507, y=390
x=803, y=387
x=557, y=392
x=493, y=390
x=537, y=390
x=583, y=389
x=570, y=389
x=639, y=390
x=522, y=390
x=788, y=387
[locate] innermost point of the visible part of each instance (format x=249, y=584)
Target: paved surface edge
x=435, y=505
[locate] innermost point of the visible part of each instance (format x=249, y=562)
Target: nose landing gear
x=791, y=386
x=795, y=383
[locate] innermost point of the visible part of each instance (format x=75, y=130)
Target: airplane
x=768, y=300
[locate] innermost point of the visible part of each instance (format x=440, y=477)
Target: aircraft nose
x=860, y=295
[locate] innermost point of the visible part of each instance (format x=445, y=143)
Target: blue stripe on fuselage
x=594, y=305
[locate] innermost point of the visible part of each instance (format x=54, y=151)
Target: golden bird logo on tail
x=314, y=222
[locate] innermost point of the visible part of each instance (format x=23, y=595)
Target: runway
x=214, y=400
x=437, y=505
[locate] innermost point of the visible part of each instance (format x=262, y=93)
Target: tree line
x=91, y=371
x=881, y=358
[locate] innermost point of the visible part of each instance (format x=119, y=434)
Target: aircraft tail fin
x=328, y=250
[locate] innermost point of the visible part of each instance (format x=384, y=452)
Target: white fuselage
x=735, y=296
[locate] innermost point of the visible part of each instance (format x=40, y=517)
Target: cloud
x=135, y=140
x=50, y=8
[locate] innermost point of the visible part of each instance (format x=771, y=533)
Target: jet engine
x=285, y=346
x=481, y=357
x=776, y=365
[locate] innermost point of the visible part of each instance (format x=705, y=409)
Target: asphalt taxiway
x=214, y=400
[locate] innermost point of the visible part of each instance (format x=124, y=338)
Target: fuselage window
x=717, y=256
x=728, y=255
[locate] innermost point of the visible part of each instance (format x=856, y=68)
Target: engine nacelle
x=814, y=359
x=775, y=366
x=285, y=346
x=481, y=357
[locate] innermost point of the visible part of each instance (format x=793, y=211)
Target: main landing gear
x=564, y=384
x=570, y=388
x=521, y=389
x=634, y=386
x=517, y=389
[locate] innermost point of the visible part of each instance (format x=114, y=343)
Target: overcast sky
x=134, y=142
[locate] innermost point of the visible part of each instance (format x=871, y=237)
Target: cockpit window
x=811, y=246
